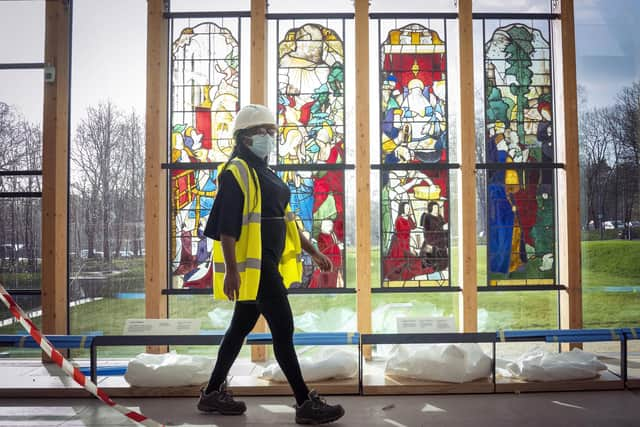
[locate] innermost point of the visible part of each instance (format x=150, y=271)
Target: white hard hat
x=253, y=115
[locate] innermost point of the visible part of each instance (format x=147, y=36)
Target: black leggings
x=277, y=312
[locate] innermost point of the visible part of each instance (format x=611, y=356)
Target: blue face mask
x=262, y=145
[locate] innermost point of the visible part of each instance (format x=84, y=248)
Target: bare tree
x=98, y=156
x=595, y=147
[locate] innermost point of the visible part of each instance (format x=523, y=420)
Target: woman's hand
x=232, y=285
x=322, y=261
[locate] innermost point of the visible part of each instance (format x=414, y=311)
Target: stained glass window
x=205, y=91
x=414, y=159
x=311, y=139
x=519, y=153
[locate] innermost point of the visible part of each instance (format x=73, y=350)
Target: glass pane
x=413, y=95
x=311, y=94
x=317, y=198
x=20, y=242
x=205, y=98
x=519, y=208
x=517, y=310
x=24, y=23
x=209, y=5
x=21, y=110
x=608, y=81
x=205, y=77
x=32, y=306
x=106, y=193
x=518, y=94
x=193, y=193
x=521, y=227
x=388, y=308
x=417, y=6
x=517, y=6
x=415, y=228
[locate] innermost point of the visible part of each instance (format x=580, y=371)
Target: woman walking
x=256, y=256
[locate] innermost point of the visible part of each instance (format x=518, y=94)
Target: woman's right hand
x=232, y=285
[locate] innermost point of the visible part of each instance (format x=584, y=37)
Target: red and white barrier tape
x=66, y=366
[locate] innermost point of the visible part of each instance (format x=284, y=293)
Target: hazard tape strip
x=66, y=366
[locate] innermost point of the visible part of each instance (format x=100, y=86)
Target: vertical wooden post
x=155, y=202
x=363, y=170
x=258, y=95
x=571, y=299
x=55, y=155
x=468, y=258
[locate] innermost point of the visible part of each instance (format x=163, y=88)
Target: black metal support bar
x=23, y=66
x=516, y=16
x=21, y=173
x=186, y=15
x=323, y=16
x=416, y=289
x=410, y=15
x=22, y=292
x=507, y=288
x=314, y=167
x=431, y=338
x=415, y=166
x=209, y=291
x=20, y=194
x=191, y=166
x=519, y=166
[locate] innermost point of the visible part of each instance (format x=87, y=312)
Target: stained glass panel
x=205, y=75
x=415, y=228
x=519, y=131
x=311, y=96
x=413, y=119
x=413, y=96
x=310, y=113
x=317, y=199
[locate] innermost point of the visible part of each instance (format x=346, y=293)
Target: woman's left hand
x=322, y=261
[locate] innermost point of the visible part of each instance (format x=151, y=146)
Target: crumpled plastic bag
x=538, y=364
x=454, y=363
x=328, y=364
x=220, y=317
x=168, y=370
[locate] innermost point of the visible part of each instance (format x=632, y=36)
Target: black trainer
x=317, y=411
x=220, y=401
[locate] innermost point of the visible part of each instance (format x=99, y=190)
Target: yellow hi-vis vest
x=249, y=245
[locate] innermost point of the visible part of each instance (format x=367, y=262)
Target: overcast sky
x=109, y=56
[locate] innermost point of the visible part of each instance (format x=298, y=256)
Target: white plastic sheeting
x=220, y=317
x=538, y=364
x=336, y=319
x=454, y=363
x=168, y=370
x=327, y=364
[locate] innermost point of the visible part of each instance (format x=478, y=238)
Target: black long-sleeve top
x=226, y=217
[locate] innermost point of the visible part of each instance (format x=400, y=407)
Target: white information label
x=162, y=327
x=417, y=325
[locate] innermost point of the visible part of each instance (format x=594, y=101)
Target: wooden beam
x=55, y=155
x=571, y=300
x=258, y=74
x=468, y=258
x=155, y=202
x=363, y=171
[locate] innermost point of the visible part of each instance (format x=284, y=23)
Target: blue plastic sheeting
x=105, y=370
x=58, y=341
x=312, y=338
x=130, y=295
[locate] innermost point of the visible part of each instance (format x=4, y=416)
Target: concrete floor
x=606, y=408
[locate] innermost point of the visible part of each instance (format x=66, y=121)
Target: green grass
x=605, y=263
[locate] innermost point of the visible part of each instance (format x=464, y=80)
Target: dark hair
x=431, y=205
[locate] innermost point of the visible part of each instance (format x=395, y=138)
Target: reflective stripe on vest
x=249, y=245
